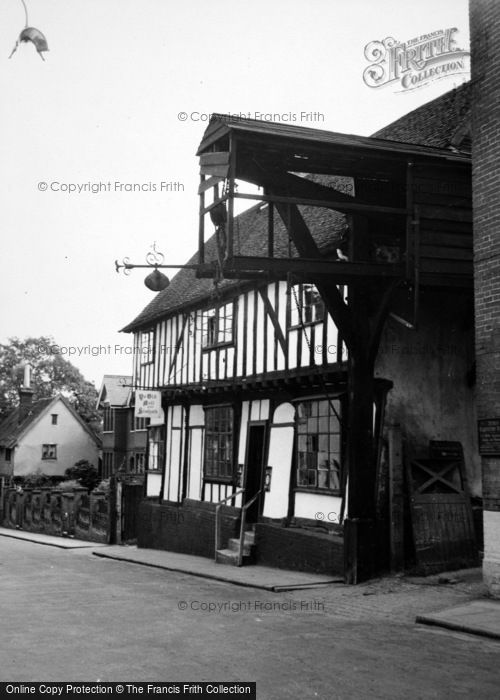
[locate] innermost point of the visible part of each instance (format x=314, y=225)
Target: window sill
x=207, y=348
x=321, y=492
x=306, y=324
x=218, y=480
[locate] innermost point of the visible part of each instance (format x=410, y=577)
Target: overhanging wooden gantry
x=415, y=200
x=400, y=215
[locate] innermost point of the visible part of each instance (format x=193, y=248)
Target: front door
x=132, y=495
x=254, y=469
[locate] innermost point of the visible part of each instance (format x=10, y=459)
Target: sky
x=123, y=97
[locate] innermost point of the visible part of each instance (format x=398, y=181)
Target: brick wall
x=188, y=528
x=485, y=47
x=291, y=548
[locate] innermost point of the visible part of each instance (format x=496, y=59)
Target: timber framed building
x=339, y=305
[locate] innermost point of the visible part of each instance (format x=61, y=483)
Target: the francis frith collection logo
x=414, y=63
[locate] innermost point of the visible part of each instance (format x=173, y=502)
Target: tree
x=85, y=473
x=51, y=374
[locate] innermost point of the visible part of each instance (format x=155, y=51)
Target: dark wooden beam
x=215, y=163
x=436, y=278
x=451, y=213
x=178, y=344
x=343, y=205
x=274, y=320
x=359, y=534
x=379, y=319
x=207, y=184
x=306, y=247
x=316, y=266
x=215, y=158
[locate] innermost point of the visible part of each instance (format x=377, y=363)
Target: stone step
x=234, y=546
x=226, y=556
x=249, y=537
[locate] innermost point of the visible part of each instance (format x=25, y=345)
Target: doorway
x=131, y=497
x=254, y=468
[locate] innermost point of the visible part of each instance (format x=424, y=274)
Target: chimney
x=25, y=395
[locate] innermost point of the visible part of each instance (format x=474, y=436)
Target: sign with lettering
x=489, y=436
x=148, y=405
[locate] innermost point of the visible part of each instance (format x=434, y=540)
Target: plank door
x=441, y=512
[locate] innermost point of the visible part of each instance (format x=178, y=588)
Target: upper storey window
x=306, y=305
x=147, y=347
x=218, y=325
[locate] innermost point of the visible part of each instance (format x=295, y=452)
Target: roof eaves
x=327, y=138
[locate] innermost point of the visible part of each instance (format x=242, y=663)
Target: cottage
x=45, y=435
x=338, y=305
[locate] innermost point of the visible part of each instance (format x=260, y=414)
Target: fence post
x=2, y=498
x=46, y=521
x=118, y=510
x=67, y=512
x=28, y=509
x=112, y=521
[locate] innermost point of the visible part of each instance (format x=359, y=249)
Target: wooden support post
x=396, y=499
x=201, y=224
x=230, y=203
x=361, y=330
x=359, y=526
x=359, y=530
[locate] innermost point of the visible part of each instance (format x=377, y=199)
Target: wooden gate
x=441, y=513
x=131, y=496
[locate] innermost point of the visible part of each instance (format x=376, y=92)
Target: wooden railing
x=242, y=527
x=217, y=521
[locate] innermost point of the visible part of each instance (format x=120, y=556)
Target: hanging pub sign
x=489, y=436
x=148, y=405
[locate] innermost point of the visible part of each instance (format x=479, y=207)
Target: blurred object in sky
x=36, y=37
x=31, y=34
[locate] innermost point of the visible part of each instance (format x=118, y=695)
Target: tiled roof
x=250, y=235
x=115, y=390
x=11, y=429
x=435, y=124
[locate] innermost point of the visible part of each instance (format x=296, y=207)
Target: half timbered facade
x=255, y=370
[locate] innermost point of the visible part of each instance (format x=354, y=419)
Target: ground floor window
x=219, y=435
x=156, y=458
x=319, y=445
x=140, y=462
